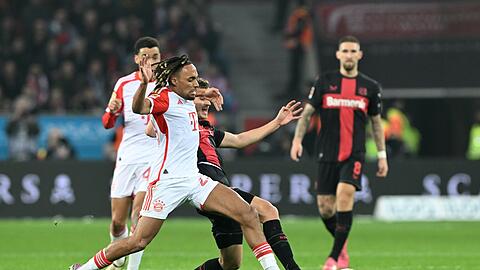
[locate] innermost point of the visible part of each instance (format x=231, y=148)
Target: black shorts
x=331, y=173
x=226, y=231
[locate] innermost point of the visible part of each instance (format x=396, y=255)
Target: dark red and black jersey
x=209, y=161
x=344, y=105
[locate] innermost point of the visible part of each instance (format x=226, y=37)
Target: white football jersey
x=176, y=123
x=136, y=146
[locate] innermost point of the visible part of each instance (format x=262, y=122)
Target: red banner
x=406, y=21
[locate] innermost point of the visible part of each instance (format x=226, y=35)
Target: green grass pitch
x=185, y=243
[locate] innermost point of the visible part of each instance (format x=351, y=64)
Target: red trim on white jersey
x=159, y=101
x=109, y=118
x=159, y=106
x=148, y=198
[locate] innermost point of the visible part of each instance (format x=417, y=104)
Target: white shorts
x=169, y=193
x=129, y=179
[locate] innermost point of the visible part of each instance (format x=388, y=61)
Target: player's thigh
x=351, y=172
x=225, y=201
x=327, y=178
x=231, y=257
x=123, y=181
x=142, y=174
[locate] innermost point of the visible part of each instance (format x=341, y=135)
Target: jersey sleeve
x=375, y=104
x=218, y=136
x=159, y=102
x=315, y=94
x=109, y=117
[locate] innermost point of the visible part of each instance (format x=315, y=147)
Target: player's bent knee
x=266, y=210
x=117, y=227
x=325, y=208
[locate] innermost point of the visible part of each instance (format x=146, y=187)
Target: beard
x=349, y=65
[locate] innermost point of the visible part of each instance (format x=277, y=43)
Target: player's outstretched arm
x=379, y=138
x=302, y=125
x=287, y=113
x=140, y=104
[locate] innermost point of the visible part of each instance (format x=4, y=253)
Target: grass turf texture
x=186, y=243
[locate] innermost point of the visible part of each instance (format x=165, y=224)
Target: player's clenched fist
x=114, y=104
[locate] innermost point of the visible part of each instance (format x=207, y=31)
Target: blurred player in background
x=227, y=232
x=344, y=99
x=175, y=178
x=131, y=172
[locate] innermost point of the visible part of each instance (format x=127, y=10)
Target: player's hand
x=114, y=104
x=382, y=167
x=296, y=150
x=289, y=112
x=146, y=71
x=215, y=97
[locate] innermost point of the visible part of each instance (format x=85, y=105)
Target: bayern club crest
x=158, y=205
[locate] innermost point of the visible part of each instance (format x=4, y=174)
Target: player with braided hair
x=174, y=177
x=227, y=232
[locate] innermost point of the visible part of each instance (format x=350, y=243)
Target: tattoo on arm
x=304, y=121
x=378, y=133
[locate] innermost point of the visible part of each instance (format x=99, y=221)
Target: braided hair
x=166, y=68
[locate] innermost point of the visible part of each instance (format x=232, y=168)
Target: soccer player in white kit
x=175, y=178
x=130, y=177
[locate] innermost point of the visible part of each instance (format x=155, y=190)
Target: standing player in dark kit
x=344, y=99
x=227, y=232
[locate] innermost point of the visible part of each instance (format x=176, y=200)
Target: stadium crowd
x=65, y=56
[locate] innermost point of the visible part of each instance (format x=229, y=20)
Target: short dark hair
x=145, y=42
x=348, y=39
x=202, y=83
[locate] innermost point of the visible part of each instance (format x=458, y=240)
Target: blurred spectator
x=56, y=103
x=22, y=130
x=87, y=101
x=37, y=81
x=4, y=103
x=11, y=80
x=473, y=151
x=218, y=80
x=96, y=80
x=298, y=41
x=58, y=147
x=402, y=139
x=67, y=80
